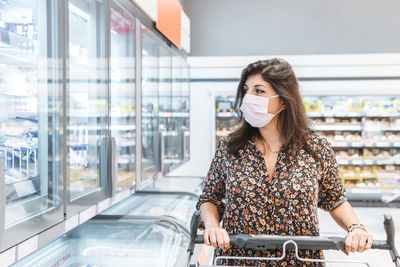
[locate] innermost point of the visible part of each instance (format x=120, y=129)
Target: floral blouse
x=249, y=202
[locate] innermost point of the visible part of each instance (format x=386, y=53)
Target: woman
x=271, y=174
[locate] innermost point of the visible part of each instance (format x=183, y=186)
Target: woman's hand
x=357, y=240
x=217, y=237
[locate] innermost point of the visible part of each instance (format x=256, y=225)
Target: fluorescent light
x=78, y=11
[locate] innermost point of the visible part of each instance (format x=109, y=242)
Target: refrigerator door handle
x=161, y=155
x=114, y=167
x=2, y=200
x=104, y=169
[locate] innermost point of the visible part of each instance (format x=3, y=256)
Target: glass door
x=150, y=134
x=185, y=109
x=174, y=141
x=30, y=120
x=122, y=96
x=87, y=104
x=165, y=91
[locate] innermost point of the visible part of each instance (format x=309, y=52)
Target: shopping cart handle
x=263, y=242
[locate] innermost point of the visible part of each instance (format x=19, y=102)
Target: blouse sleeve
x=214, y=186
x=331, y=189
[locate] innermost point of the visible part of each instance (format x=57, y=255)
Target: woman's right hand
x=217, y=237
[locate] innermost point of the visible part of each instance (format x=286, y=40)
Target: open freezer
x=180, y=206
x=114, y=241
x=191, y=184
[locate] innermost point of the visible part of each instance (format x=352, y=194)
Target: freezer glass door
x=150, y=134
x=122, y=94
x=30, y=117
x=86, y=98
x=185, y=108
x=165, y=91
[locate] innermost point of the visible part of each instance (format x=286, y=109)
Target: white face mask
x=255, y=110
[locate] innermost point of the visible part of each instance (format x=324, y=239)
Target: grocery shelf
x=322, y=127
x=350, y=115
x=368, y=162
x=360, y=144
x=227, y=115
x=334, y=114
x=173, y=114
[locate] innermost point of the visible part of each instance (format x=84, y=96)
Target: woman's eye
x=259, y=91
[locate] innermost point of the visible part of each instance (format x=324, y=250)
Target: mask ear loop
x=275, y=96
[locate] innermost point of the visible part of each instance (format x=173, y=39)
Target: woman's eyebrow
x=257, y=85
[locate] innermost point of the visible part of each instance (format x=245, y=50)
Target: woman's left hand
x=357, y=240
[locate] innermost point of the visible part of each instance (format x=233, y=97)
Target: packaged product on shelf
x=371, y=106
x=341, y=105
x=388, y=106
x=395, y=123
x=350, y=175
x=389, y=177
x=312, y=104
x=355, y=104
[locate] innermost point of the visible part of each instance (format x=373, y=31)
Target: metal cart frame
x=264, y=242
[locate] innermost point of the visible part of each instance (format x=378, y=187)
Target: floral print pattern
x=249, y=202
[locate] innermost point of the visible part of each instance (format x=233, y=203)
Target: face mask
x=255, y=110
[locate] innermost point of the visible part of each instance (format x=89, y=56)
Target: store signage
x=169, y=20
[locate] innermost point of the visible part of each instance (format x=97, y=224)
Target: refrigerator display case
x=114, y=241
x=122, y=96
x=177, y=205
x=185, y=108
x=30, y=120
x=101, y=141
x=225, y=116
x=87, y=104
x=151, y=137
x=174, y=120
x=166, y=123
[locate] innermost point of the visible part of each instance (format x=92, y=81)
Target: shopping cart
x=264, y=242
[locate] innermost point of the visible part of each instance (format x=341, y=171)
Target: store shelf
x=122, y=127
x=169, y=133
x=381, y=130
x=227, y=115
x=126, y=160
x=350, y=115
x=367, y=162
x=173, y=114
x=172, y=161
x=360, y=144
x=334, y=115
x=357, y=128
x=127, y=144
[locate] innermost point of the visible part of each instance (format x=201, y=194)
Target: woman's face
x=255, y=85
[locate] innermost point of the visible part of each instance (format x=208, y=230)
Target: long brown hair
x=293, y=124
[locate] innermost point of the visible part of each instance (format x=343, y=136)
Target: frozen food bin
x=114, y=241
x=179, y=205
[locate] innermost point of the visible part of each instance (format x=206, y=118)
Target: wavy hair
x=293, y=124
